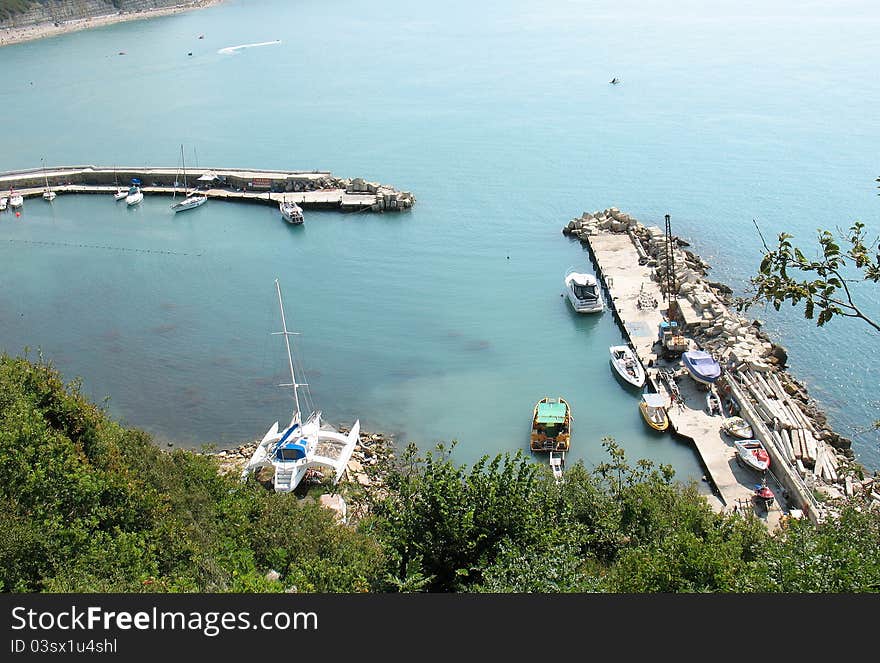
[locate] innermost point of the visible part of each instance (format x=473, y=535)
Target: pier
x=811, y=471
x=627, y=283
x=309, y=189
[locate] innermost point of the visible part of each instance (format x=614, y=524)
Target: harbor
x=309, y=189
x=649, y=281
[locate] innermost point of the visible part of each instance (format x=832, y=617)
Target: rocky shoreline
x=753, y=361
x=59, y=18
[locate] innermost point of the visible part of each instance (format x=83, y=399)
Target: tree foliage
x=823, y=285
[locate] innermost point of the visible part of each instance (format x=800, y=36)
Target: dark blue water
x=446, y=322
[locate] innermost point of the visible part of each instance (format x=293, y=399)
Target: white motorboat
x=557, y=466
x=737, y=427
x=121, y=194
x=752, y=454
x=583, y=292
x=134, y=196
x=16, y=200
x=4, y=202
x=291, y=212
x=301, y=445
x=627, y=365
x=193, y=198
x=713, y=402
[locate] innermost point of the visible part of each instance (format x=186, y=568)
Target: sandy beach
x=40, y=30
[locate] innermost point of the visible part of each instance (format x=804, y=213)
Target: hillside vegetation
x=87, y=505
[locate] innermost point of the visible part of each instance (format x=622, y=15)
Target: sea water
x=448, y=321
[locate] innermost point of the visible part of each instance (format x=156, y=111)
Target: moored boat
x=737, y=427
x=653, y=409
x=752, y=454
x=192, y=198
x=551, y=425
x=557, y=465
x=16, y=200
x=583, y=292
x=627, y=365
x=713, y=402
x=301, y=445
x=291, y=212
x=135, y=195
x=701, y=366
x=4, y=201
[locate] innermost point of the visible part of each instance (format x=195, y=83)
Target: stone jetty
x=811, y=465
x=309, y=189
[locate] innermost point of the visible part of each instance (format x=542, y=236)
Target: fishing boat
x=702, y=366
x=752, y=453
x=737, y=427
x=16, y=200
x=653, y=409
x=627, y=365
x=557, y=465
x=134, y=195
x=193, y=198
x=48, y=194
x=583, y=292
x=291, y=212
x=304, y=444
x=713, y=402
x=551, y=425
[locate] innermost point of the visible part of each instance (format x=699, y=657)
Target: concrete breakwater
x=812, y=464
x=309, y=189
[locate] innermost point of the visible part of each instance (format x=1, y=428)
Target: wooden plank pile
x=791, y=430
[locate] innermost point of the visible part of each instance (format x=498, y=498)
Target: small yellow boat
x=551, y=425
x=653, y=408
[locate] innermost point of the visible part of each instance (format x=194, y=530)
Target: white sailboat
x=121, y=192
x=48, y=194
x=193, y=198
x=302, y=445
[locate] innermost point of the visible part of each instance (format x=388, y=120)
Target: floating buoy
x=190, y=53
x=18, y=214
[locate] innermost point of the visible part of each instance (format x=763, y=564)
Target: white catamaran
x=302, y=445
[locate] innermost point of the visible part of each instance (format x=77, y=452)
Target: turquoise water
x=445, y=322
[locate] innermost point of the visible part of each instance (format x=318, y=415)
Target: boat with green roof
x=551, y=425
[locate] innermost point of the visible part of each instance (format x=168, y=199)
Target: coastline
x=16, y=35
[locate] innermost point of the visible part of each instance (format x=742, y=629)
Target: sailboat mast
x=287, y=344
x=183, y=163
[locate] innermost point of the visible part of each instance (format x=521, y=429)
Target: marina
x=309, y=190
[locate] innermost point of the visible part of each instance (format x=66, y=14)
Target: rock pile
x=387, y=197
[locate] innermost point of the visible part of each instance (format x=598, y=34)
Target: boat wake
x=234, y=49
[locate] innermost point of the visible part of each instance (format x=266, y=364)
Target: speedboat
x=135, y=195
x=737, y=427
x=752, y=453
x=557, y=466
x=702, y=366
x=583, y=292
x=16, y=200
x=551, y=425
x=653, y=409
x=302, y=445
x=627, y=365
x=291, y=212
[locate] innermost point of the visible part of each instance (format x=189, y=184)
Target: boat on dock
x=134, y=195
x=303, y=444
x=752, y=454
x=627, y=365
x=193, y=198
x=291, y=212
x=551, y=425
x=653, y=409
x=583, y=292
x=737, y=427
x=701, y=366
x=713, y=402
x=557, y=466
